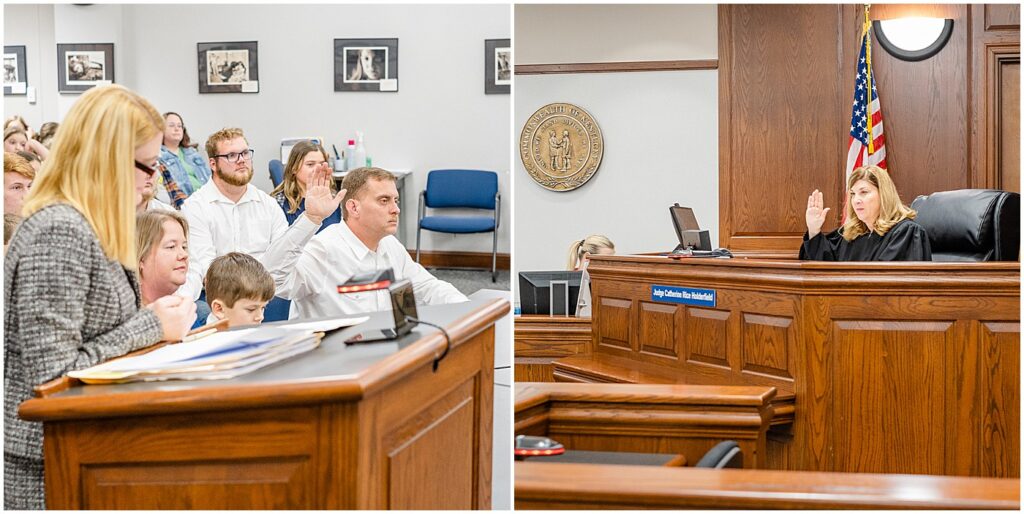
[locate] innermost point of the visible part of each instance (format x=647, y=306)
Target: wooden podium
x=343, y=427
x=895, y=367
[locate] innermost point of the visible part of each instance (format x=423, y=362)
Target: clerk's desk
x=342, y=427
x=895, y=367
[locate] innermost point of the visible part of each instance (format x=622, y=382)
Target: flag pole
x=867, y=55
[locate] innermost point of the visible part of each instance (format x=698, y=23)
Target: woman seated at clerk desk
x=579, y=258
x=878, y=226
x=303, y=161
x=188, y=168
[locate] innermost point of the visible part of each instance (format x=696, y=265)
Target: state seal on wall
x=561, y=146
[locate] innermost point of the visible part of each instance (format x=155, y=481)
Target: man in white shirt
x=364, y=241
x=228, y=214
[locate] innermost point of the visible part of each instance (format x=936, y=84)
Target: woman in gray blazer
x=71, y=295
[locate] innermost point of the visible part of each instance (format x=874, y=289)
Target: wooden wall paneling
x=889, y=396
x=996, y=96
x=616, y=324
x=1000, y=403
x=779, y=91
x=1007, y=107
x=767, y=343
x=1001, y=16
x=339, y=440
x=925, y=108
x=272, y=465
x=539, y=340
x=659, y=327
x=706, y=337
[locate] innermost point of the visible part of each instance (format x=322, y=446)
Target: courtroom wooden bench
x=609, y=369
x=649, y=418
x=591, y=486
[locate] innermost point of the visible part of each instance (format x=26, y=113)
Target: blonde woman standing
x=71, y=294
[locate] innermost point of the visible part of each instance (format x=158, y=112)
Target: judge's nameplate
x=561, y=146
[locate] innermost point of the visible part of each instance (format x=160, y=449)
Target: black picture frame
x=495, y=80
x=16, y=70
x=349, y=74
x=228, y=67
x=83, y=66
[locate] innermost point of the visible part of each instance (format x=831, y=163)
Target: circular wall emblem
x=561, y=146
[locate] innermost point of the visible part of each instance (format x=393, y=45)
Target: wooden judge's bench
x=893, y=367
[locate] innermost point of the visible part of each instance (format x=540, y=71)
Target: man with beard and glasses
x=363, y=242
x=228, y=214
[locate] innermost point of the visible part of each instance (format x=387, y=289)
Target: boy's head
x=238, y=288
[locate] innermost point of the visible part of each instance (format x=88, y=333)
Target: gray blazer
x=67, y=307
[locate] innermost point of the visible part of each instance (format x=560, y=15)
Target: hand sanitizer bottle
x=359, y=155
x=349, y=153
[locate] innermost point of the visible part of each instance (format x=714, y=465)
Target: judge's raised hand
x=320, y=203
x=815, y=214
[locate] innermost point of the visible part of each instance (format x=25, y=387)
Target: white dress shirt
x=335, y=255
x=255, y=225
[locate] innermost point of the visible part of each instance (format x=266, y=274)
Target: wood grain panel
x=615, y=67
x=658, y=325
x=1008, y=124
x=542, y=339
x=1002, y=17
x=766, y=343
x=778, y=70
x=253, y=485
x=616, y=322
x=925, y=108
x=706, y=336
x=1001, y=403
x=545, y=486
x=889, y=383
x=428, y=447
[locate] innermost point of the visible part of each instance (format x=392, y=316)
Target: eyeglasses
x=237, y=157
x=149, y=170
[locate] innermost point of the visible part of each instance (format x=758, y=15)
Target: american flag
x=858, y=153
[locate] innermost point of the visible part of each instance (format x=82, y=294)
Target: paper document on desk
x=218, y=356
x=328, y=325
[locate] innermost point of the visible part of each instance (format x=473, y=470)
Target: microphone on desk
x=403, y=308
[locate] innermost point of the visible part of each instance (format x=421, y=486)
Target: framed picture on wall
x=229, y=67
x=15, y=80
x=497, y=66
x=81, y=66
x=366, y=65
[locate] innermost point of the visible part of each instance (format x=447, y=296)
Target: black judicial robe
x=907, y=241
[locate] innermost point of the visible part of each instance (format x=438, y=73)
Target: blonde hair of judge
x=594, y=244
x=91, y=166
x=890, y=210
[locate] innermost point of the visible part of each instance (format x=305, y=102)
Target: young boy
x=238, y=288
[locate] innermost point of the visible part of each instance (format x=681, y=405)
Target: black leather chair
x=725, y=454
x=971, y=224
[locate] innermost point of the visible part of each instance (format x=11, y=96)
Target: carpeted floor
x=468, y=281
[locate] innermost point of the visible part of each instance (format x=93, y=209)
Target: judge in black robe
x=906, y=241
x=878, y=226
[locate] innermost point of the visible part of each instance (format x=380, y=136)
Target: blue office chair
x=473, y=189
x=276, y=172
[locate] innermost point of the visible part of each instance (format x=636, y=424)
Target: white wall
x=31, y=26
x=439, y=118
x=660, y=131
x=608, y=33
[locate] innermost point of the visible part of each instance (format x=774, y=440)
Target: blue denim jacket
x=177, y=169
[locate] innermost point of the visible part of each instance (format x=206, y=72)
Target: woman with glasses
x=188, y=168
x=304, y=161
x=71, y=293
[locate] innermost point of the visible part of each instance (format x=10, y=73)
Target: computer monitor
x=688, y=231
x=552, y=293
